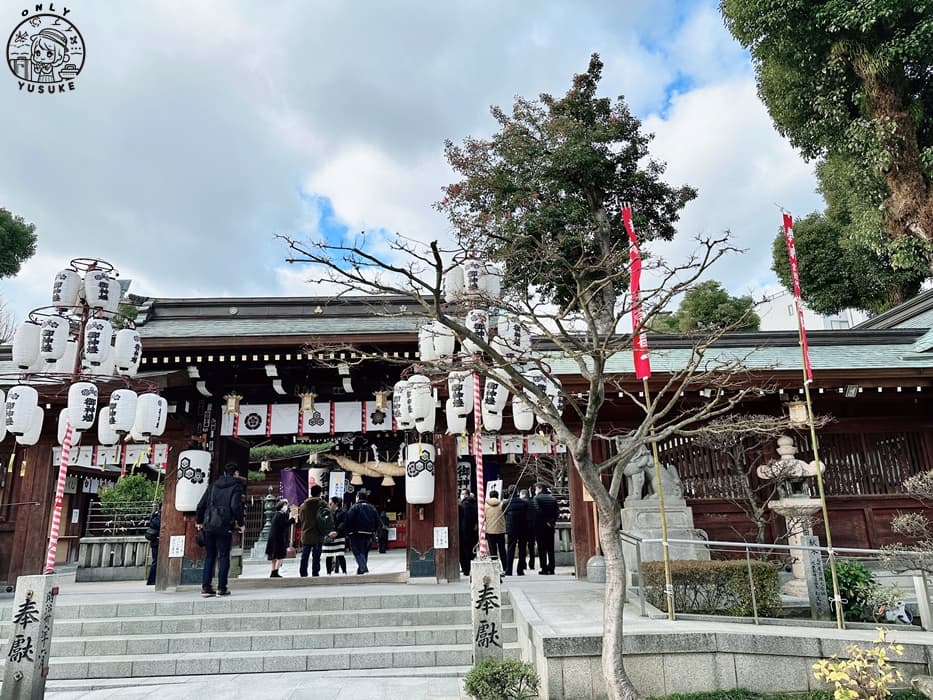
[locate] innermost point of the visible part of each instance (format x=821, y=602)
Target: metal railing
x=883, y=565
x=118, y=519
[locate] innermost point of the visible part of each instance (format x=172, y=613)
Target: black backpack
x=325, y=520
x=218, y=517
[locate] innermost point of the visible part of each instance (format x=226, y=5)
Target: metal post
x=751, y=583
x=641, y=580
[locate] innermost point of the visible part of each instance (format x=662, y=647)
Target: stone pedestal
x=486, y=604
x=642, y=518
x=27, y=651
x=807, y=567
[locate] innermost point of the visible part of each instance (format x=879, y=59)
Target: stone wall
x=766, y=658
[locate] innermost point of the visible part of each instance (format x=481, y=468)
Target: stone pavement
x=558, y=607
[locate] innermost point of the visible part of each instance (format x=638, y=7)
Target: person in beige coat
x=495, y=528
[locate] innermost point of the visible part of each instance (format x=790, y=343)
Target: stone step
x=220, y=621
x=299, y=603
x=269, y=641
x=233, y=662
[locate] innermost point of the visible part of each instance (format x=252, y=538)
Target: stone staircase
x=310, y=631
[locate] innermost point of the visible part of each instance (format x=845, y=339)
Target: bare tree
x=542, y=200
x=7, y=324
x=746, y=443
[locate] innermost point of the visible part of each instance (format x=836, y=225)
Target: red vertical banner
x=795, y=277
x=639, y=338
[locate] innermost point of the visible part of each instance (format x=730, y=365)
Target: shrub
x=866, y=675
x=491, y=679
x=857, y=586
x=715, y=587
x=129, y=489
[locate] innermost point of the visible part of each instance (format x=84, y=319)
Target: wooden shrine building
x=876, y=382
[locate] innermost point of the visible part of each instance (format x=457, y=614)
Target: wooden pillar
x=168, y=570
x=423, y=560
x=31, y=535
x=582, y=524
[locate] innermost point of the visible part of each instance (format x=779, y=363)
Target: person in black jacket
x=153, y=531
x=219, y=512
x=362, y=524
x=469, y=529
x=530, y=525
x=545, y=525
x=277, y=546
x=516, y=530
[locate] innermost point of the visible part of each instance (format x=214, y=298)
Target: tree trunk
x=618, y=684
x=910, y=204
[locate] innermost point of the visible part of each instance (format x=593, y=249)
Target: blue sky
x=198, y=131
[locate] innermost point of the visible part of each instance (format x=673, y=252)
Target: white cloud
x=197, y=132
x=720, y=139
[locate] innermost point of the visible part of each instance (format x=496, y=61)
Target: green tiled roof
x=245, y=327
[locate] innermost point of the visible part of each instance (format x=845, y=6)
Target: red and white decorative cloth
x=795, y=277
x=639, y=337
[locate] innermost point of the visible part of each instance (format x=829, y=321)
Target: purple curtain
x=294, y=485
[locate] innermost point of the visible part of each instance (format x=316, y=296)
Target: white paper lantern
x=2, y=416
x=453, y=284
x=127, y=348
x=105, y=368
x=26, y=344
x=75, y=433
x=460, y=390
x=194, y=469
x=492, y=281
x=31, y=436
x=161, y=417
x=54, y=338
x=66, y=365
x=82, y=405
x=121, y=411
x=555, y=394
x=495, y=396
x=400, y=412
x=101, y=291
x=426, y=351
x=477, y=320
x=98, y=334
x=419, y=473
x=148, y=409
x=21, y=404
x=514, y=335
x=523, y=416
x=473, y=272
x=65, y=289
x=456, y=423
x=106, y=435
x=444, y=340
x=421, y=403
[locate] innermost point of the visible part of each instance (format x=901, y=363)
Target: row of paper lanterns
x=413, y=403
x=97, y=289
x=141, y=417
x=48, y=346
x=512, y=340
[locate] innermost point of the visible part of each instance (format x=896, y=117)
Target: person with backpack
x=336, y=538
x=153, y=531
x=312, y=532
x=362, y=524
x=220, y=510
